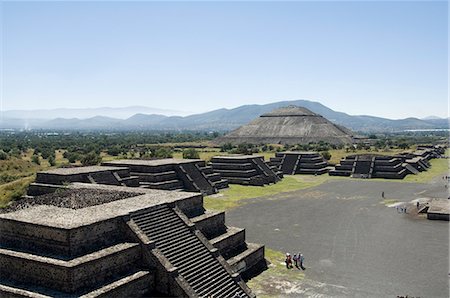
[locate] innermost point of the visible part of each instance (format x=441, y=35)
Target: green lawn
x=237, y=195
x=439, y=167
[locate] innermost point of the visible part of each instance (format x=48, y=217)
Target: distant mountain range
x=120, y=113
x=219, y=120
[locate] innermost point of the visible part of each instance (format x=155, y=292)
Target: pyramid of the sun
x=289, y=125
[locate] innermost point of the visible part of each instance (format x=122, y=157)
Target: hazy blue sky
x=385, y=59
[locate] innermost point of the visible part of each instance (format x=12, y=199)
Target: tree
x=226, y=147
x=162, y=153
x=51, y=160
x=35, y=159
x=90, y=159
x=191, y=153
x=3, y=155
x=326, y=155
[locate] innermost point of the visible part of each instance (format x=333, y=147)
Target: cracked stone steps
x=70, y=276
x=135, y=284
x=184, y=250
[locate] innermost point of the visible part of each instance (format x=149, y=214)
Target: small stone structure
x=438, y=209
x=85, y=240
x=47, y=181
x=245, y=169
x=389, y=167
x=372, y=166
x=167, y=174
x=173, y=174
x=291, y=163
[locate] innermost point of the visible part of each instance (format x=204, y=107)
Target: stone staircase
x=196, y=178
x=289, y=163
x=362, y=169
x=215, y=178
x=244, y=169
x=296, y=162
x=206, y=273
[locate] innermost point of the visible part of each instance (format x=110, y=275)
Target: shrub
x=3, y=155
x=51, y=160
x=162, y=153
x=35, y=159
x=226, y=147
x=191, y=153
x=91, y=159
x=326, y=155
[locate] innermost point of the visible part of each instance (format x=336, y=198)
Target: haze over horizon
x=385, y=59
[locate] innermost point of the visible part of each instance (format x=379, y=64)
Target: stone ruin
x=168, y=174
x=173, y=174
x=385, y=166
x=291, y=163
x=288, y=125
x=245, y=169
x=93, y=240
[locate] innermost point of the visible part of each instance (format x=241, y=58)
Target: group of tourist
x=298, y=261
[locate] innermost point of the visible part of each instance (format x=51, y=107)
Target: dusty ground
x=355, y=246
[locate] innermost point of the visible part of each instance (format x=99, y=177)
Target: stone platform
x=148, y=242
x=245, y=169
x=173, y=174
x=439, y=209
x=293, y=162
x=373, y=166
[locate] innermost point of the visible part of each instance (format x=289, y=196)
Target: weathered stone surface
x=289, y=125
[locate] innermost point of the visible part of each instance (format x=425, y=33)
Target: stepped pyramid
x=289, y=125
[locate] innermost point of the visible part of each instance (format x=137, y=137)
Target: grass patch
x=439, y=167
x=265, y=284
x=237, y=195
x=14, y=190
x=388, y=202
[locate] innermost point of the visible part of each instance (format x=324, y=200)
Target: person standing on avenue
x=301, y=261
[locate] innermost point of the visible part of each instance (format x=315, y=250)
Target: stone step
x=221, y=184
x=233, y=239
x=157, y=177
x=167, y=185
x=209, y=280
x=185, y=254
x=245, y=260
x=197, y=265
x=161, y=227
x=216, y=277
x=161, y=230
x=192, y=258
x=210, y=223
x=214, y=177
x=69, y=275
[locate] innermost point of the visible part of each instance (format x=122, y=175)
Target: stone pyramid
x=289, y=125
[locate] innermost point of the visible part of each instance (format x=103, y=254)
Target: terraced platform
x=148, y=242
x=244, y=169
x=292, y=162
